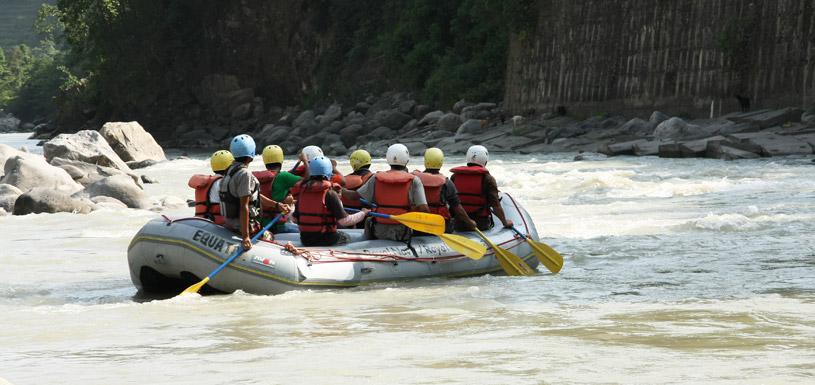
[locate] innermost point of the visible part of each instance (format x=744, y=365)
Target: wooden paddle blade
x=464, y=245
x=424, y=222
x=195, y=288
x=547, y=255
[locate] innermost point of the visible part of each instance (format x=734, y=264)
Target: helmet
x=433, y=158
x=242, y=145
x=397, y=155
x=478, y=155
x=272, y=154
x=320, y=166
x=312, y=152
x=359, y=158
x=221, y=160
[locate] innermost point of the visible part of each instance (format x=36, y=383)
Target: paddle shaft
x=240, y=249
x=371, y=213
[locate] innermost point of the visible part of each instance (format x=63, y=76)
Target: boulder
x=8, y=194
x=131, y=142
x=689, y=149
x=242, y=111
x=148, y=179
x=8, y=123
x=808, y=118
x=459, y=106
x=28, y=172
x=647, y=148
x=349, y=134
x=773, y=144
x=122, y=188
x=409, y=126
x=382, y=133
x=85, y=173
x=331, y=114
x=722, y=149
x=430, y=118
x=766, y=118
x=407, y=107
x=362, y=107
x=335, y=147
x=677, y=129
x=48, y=200
x=86, y=146
x=102, y=201
x=305, y=119
x=450, y=122
x=658, y=117
x=272, y=134
x=638, y=126
x=623, y=148
x=415, y=148
x=392, y=119
x=469, y=127
x=141, y=164
x=7, y=152
x=43, y=131
x=421, y=110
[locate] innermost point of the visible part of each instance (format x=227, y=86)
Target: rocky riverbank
x=80, y=172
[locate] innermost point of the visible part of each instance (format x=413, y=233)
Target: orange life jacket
x=432, y=190
x=392, y=194
x=313, y=214
x=469, y=181
x=204, y=208
x=354, y=182
x=266, y=179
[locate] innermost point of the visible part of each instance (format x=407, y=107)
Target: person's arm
x=462, y=216
x=269, y=202
x=244, y=219
x=454, y=204
x=491, y=188
x=417, y=197
x=334, y=204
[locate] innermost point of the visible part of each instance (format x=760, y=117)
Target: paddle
x=546, y=255
x=194, y=288
x=511, y=263
x=434, y=224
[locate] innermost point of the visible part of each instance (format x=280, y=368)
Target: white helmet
x=478, y=155
x=312, y=152
x=397, y=155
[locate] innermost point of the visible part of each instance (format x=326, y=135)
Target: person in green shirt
x=276, y=184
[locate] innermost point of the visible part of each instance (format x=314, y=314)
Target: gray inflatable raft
x=166, y=255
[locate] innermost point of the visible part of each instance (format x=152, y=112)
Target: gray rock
x=349, y=134
x=28, y=172
x=102, y=201
x=7, y=152
x=469, y=127
x=765, y=119
x=392, y=119
x=131, y=142
x=148, y=180
x=808, y=118
x=272, y=134
x=647, y=148
x=658, y=117
x=430, y=118
x=335, y=147
x=47, y=200
x=86, y=146
x=415, y=148
x=9, y=123
x=772, y=144
x=331, y=114
x=8, y=194
x=623, y=148
x=721, y=149
x=689, y=149
x=409, y=126
x=306, y=118
x=407, y=107
x=459, y=106
x=89, y=173
x=362, y=107
x=421, y=110
x=382, y=133
x=450, y=122
x=122, y=188
x=335, y=127
x=676, y=128
x=141, y=164
x=242, y=111
x=313, y=140
x=43, y=131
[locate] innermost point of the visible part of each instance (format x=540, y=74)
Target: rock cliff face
x=678, y=56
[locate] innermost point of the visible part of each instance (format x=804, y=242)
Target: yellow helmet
x=359, y=158
x=272, y=154
x=433, y=158
x=221, y=160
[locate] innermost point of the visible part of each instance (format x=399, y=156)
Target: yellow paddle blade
x=547, y=255
x=424, y=222
x=464, y=245
x=511, y=263
x=194, y=288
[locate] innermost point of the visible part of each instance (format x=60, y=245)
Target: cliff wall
x=634, y=56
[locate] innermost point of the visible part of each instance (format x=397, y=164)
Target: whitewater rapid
x=677, y=271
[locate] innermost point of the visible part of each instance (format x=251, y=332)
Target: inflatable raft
x=168, y=255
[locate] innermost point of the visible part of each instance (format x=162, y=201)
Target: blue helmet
x=320, y=166
x=242, y=146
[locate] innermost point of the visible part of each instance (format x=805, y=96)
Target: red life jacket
x=299, y=171
x=432, y=190
x=392, y=194
x=313, y=214
x=204, y=208
x=354, y=182
x=266, y=179
x=469, y=181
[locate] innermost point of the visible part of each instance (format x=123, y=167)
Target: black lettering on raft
x=210, y=240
